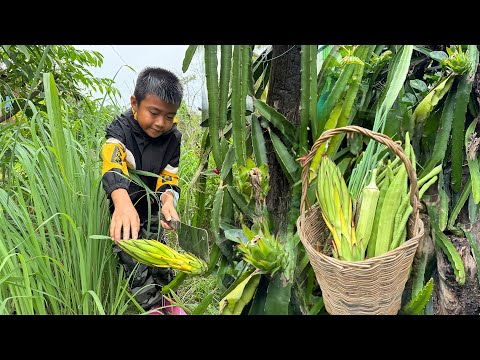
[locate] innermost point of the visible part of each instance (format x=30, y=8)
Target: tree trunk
x=284, y=96
x=449, y=297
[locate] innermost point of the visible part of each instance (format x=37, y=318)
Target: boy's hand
x=168, y=209
x=124, y=217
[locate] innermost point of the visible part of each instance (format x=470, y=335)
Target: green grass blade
x=202, y=306
x=97, y=301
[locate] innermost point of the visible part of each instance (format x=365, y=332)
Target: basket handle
x=381, y=138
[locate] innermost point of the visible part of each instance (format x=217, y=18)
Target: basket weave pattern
x=372, y=286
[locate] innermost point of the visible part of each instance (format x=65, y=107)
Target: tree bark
x=450, y=298
x=284, y=96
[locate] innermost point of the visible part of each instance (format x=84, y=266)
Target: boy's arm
x=114, y=169
x=116, y=182
x=167, y=186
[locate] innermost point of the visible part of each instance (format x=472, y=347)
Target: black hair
x=159, y=82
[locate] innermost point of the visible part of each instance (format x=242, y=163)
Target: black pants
x=147, y=281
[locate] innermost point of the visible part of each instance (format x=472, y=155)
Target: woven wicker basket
x=372, y=286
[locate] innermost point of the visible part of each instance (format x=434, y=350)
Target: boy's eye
x=153, y=113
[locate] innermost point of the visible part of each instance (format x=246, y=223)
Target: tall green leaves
x=308, y=99
x=443, y=135
x=458, y=125
x=332, y=99
x=395, y=80
x=347, y=113
x=57, y=201
x=225, y=70
x=213, y=100
x=341, y=114
x=239, y=93
x=312, y=95
x=32, y=86
x=304, y=95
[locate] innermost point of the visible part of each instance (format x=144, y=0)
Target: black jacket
x=129, y=147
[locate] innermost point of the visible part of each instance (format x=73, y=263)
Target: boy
x=146, y=138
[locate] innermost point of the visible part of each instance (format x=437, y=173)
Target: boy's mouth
x=156, y=132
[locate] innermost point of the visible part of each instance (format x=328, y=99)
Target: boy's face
x=154, y=115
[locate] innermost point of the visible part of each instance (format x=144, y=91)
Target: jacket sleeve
x=114, y=168
x=168, y=179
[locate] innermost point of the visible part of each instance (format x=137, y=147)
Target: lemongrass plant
x=50, y=205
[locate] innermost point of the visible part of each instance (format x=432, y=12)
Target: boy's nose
x=160, y=123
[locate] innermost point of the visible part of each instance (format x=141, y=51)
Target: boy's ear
x=133, y=103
